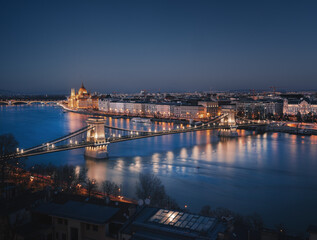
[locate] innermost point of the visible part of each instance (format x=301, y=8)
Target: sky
x=128, y=46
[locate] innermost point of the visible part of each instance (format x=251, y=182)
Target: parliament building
x=82, y=100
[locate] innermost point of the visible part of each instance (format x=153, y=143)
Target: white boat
x=141, y=120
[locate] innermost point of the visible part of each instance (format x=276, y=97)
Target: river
x=273, y=174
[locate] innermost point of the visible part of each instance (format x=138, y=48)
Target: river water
x=273, y=174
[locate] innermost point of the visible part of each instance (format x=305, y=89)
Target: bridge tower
x=96, y=136
x=229, y=120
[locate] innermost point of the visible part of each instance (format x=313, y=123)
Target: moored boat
x=141, y=120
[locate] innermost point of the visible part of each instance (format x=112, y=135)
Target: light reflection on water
x=273, y=174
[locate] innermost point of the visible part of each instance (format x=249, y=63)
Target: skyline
x=50, y=47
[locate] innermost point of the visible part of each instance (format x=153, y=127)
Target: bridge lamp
x=119, y=135
x=17, y=149
x=155, y=130
x=114, y=135
x=169, y=129
x=137, y=133
x=53, y=145
x=163, y=129
x=70, y=141
x=76, y=142
x=21, y=150
x=177, y=127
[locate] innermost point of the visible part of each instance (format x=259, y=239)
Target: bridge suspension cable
x=60, y=139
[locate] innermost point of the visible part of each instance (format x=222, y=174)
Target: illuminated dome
x=82, y=90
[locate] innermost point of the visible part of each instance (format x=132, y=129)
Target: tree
x=151, y=187
x=299, y=117
x=309, y=117
x=255, y=222
x=8, y=145
x=205, y=210
x=68, y=177
x=90, y=185
x=110, y=188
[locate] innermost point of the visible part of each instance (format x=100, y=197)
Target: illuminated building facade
x=154, y=109
x=82, y=100
x=302, y=106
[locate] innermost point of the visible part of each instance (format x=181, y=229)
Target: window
x=73, y=234
x=87, y=226
x=95, y=228
x=64, y=236
x=65, y=222
x=56, y=235
x=60, y=221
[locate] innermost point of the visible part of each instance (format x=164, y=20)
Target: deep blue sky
x=126, y=46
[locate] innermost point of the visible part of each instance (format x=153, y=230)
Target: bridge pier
x=97, y=152
x=96, y=136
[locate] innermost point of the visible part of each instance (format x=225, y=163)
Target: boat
x=141, y=120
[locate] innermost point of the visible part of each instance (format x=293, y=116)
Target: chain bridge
x=96, y=136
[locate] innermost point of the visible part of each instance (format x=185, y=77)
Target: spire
x=82, y=85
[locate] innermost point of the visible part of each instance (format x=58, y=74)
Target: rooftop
x=86, y=212
x=183, y=220
x=154, y=223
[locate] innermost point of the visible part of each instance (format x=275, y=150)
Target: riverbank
x=292, y=130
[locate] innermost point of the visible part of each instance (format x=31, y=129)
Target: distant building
x=82, y=100
x=302, y=105
x=211, y=108
x=259, y=109
x=155, y=223
x=165, y=110
x=189, y=111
